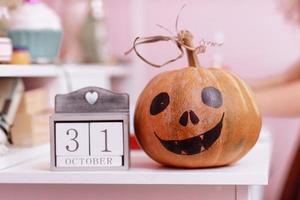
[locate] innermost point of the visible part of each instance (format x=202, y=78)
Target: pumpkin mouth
x=196, y=144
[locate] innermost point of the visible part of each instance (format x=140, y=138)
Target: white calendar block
x=106, y=138
x=90, y=130
x=72, y=139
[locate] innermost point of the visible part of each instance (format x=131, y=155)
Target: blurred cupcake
x=36, y=27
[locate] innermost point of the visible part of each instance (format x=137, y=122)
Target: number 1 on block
x=106, y=138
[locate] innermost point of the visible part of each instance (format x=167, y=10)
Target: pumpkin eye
x=159, y=103
x=212, y=97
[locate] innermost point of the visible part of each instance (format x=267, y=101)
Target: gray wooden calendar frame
x=103, y=111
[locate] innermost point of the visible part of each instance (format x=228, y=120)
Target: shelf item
x=31, y=124
x=30, y=129
x=36, y=27
x=11, y=91
x=34, y=101
x=253, y=169
x=20, y=56
x=5, y=49
x=94, y=34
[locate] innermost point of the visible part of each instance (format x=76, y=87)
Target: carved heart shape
x=91, y=97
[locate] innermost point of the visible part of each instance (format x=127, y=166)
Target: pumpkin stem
x=187, y=39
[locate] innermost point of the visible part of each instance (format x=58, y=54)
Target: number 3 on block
x=89, y=139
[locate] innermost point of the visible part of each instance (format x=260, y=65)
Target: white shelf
x=253, y=169
x=57, y=70
x=29, y=71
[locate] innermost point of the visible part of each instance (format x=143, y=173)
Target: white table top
x=253, y=169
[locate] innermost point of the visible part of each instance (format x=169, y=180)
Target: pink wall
x=258, y=41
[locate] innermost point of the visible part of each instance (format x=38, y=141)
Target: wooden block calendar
x=90, y=130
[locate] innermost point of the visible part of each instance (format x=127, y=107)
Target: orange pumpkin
x=195, y=117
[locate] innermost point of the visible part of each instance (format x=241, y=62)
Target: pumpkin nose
x=194, y=118
x=185, y=118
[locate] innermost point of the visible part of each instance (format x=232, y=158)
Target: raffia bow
x=182, y=40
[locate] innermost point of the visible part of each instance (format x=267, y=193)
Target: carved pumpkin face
x=195, y=117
